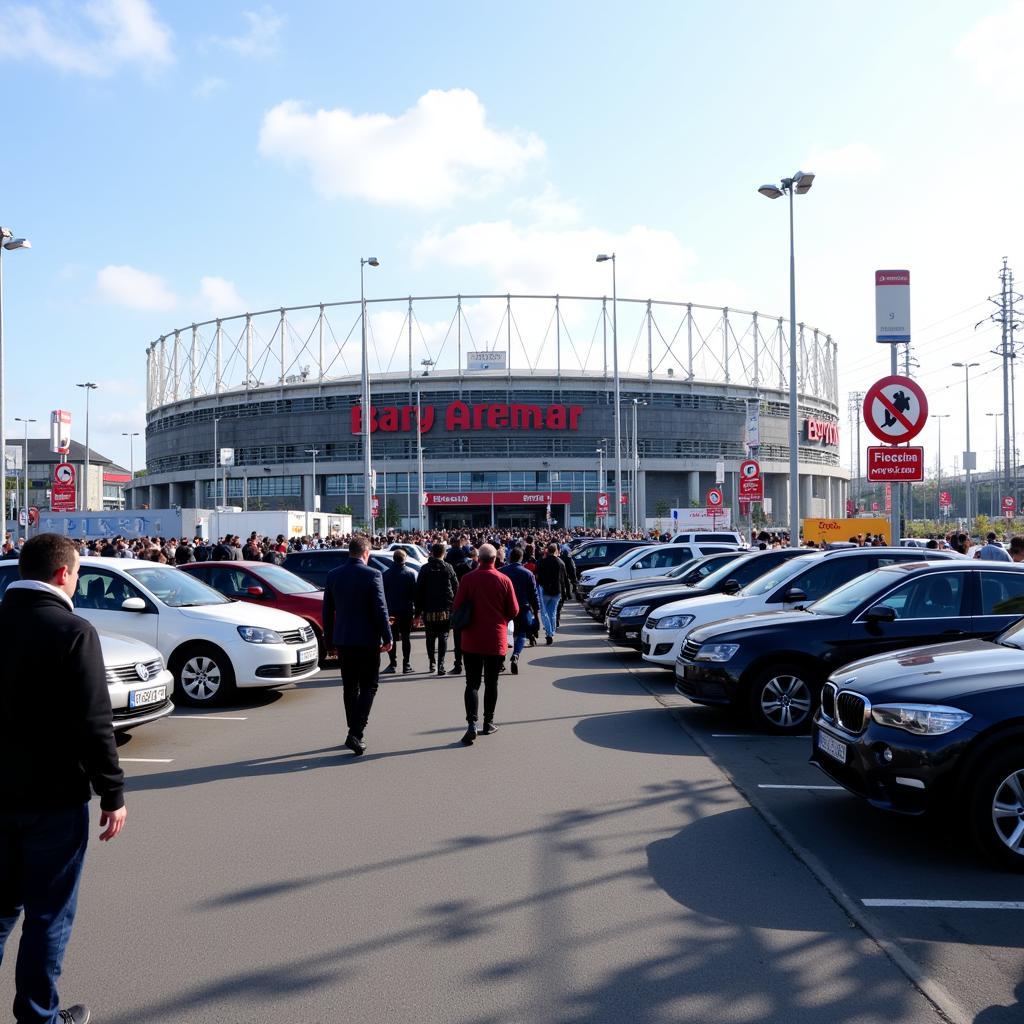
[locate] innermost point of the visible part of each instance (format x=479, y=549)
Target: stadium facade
x=501, y=436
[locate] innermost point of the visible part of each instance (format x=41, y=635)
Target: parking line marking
x=146, y=760
x=948, y=904
x=208, y=718
x=767, y=785
x=756, y=736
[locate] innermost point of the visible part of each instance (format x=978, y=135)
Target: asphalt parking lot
x=588, y=863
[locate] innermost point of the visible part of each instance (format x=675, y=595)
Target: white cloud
x=261, y=39
x=104, y=35
x=433, y=153
x=219, y=296
x=135, y=289
x=549, y=208
x=994, y=50
x=854, y=160
x=207, y=87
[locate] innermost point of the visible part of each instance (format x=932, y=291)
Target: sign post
x=714, y=501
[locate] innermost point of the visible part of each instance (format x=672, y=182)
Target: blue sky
x=169, y=163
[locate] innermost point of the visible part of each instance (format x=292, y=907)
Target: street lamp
x=600, y=486
x=938, y=476
x=314, y=452
x=89, y=386
x=9, y=242
x=367, y=454
x=634, y=490
x=131, y=458
x=26, y=421
x=800, y=183
x=995, y=459
x=615, y=366
x=968, y=454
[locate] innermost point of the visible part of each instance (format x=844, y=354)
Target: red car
x=266, y=584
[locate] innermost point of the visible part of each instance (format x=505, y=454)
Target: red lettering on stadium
x=820, y=430
x=462, y=416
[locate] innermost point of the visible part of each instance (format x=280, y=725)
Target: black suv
x=314, y=566
x=599, y=552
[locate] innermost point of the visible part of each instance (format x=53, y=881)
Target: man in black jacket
x=554, y=587
x=435, y=591
x=400, y=594
x=56, y=739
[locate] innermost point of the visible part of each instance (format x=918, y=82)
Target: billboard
x=486, y=360
x=60, y=431
x=892, y=306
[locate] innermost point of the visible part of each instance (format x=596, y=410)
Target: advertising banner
x=824, y=530
x=60, y=431
x=464, y=498
x=699, y=519
x=12, y=458
x=489, y=360
x=892, y=306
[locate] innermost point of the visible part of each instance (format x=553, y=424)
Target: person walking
x=400, y=595
x=524, y=583
x=554, y=586
x=465, y=563
x=52, y=671
x=435, y=591
x=359, y=635
x=992, y=551
x=492, y=602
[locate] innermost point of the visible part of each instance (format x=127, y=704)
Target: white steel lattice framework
x=270, y=350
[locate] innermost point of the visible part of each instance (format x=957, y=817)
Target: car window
x=853, y=593
x=826, y=576
x=670, y=557
x=779, y=574
x=934, y=596
x=1002, y=593
x=176, y=589
x=285, y=582
x=687, y=565
x=597, y=551
x=7, y=576
x=103, y=591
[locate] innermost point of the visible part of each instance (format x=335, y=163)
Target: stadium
x=508, y=399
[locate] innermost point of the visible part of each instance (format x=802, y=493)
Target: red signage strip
x=895, y=465
x=751, y=489
x=457, y=499
x=401, y=419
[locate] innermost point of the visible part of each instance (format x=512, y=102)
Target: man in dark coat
x=435, y=590
x=56, y=741
x=360, y=633
x=400, y=594
x=554, y=586
x=525, y=585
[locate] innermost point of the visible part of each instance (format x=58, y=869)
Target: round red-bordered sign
x=895, y=409
x=714, y=498
x=750, y=469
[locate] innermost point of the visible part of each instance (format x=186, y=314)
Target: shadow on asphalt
x=644, y=731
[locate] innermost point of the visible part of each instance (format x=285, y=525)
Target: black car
x=691, y=571
x=314, y=566
x=773, y=664
x=602, y=552
x=938, y=729
x=627, y=613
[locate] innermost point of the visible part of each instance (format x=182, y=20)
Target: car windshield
x=851, y=595
x=286, y=582
x=626, y=556
x=778, y=575
x=176, y=589
x=1014, y=636
x=682, y=570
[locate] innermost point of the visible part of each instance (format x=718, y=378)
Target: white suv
x=638, y=564
x=708, y=537
x=791, y=585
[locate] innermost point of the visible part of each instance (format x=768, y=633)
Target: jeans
x=41, y=858
x=477, y=666
x=360, y=668
x=522, y=631
x=549, y=612
x=401, y=630
x=437, y=635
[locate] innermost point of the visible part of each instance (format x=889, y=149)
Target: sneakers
x=408, y=670
x=441, y=670
x=514, y=664
x=489, y=729
x=549, y=640
x=470, y=737
x=77, y=1014
x=355, y=744
x=430, y=665
x=457, y=668
x=389, y=671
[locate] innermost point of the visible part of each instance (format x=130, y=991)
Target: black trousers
x=437, y=636
x=401, y=630
x=360, y=667
x=457, y=641
x=485, y=667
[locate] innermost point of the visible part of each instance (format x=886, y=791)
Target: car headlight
x=672, y=622
x=259, y=635
x=634, y=611
x=716, y=652
x=920, y=719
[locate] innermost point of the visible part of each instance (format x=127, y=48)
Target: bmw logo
x=142, y=671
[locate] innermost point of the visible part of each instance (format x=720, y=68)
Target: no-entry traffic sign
x=714, y=499
x=895, y=409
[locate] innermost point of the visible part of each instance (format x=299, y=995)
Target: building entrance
x=507, y=516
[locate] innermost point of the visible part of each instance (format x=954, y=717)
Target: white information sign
x=12, y=457
x=60, y=431
x=699, y=519
x=490, y=360
x=892, y=306
x=227, y=456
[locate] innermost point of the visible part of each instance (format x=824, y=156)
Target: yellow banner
x=824, y=530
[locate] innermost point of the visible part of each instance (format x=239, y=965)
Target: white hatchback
x=210, y=644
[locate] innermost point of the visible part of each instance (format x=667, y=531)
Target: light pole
x=367, y=455
x=216, y=475
x=938, y=474
x=966, y=367
x=600, y=486
x=634, y=492
x=24, y=455
x=314, y=452
x=419, y=459
x=995, y=459
x=89, y=387
x=618, y=419
x=800, y=183
x=131, y=459
x=9, y=242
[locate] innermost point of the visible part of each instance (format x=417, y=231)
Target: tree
x=391, y=513
x=343, y=510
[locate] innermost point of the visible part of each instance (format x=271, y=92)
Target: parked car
x=269, y=585
x=708, y=537
x=211, y=645
x=597, y=552
x=314, y=566
x=139, y=684
x=643, y=562
x=692, y=571
x=772, y=665
x=413, y=552
x=792, y=585
x=628, y=612
x=938, y=729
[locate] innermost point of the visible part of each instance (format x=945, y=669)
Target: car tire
x=203, y=675
x=783, y=699
x=996, y=809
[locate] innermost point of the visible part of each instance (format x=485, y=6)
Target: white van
x=708, y=537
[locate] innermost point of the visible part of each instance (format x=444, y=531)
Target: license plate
x=306, y=655
x=140, y=698
x=833, y=747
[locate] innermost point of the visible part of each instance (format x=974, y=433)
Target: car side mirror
x=133, y=604
x=254, y=591
x=731, y=587
x=881, y=613
x=794, y=595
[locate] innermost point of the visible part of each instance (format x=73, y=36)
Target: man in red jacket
x=485, y=640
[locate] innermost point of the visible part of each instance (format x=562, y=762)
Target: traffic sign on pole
x=895, y=465
x=895, y=409
x=1009, y=504
x=714, y=500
